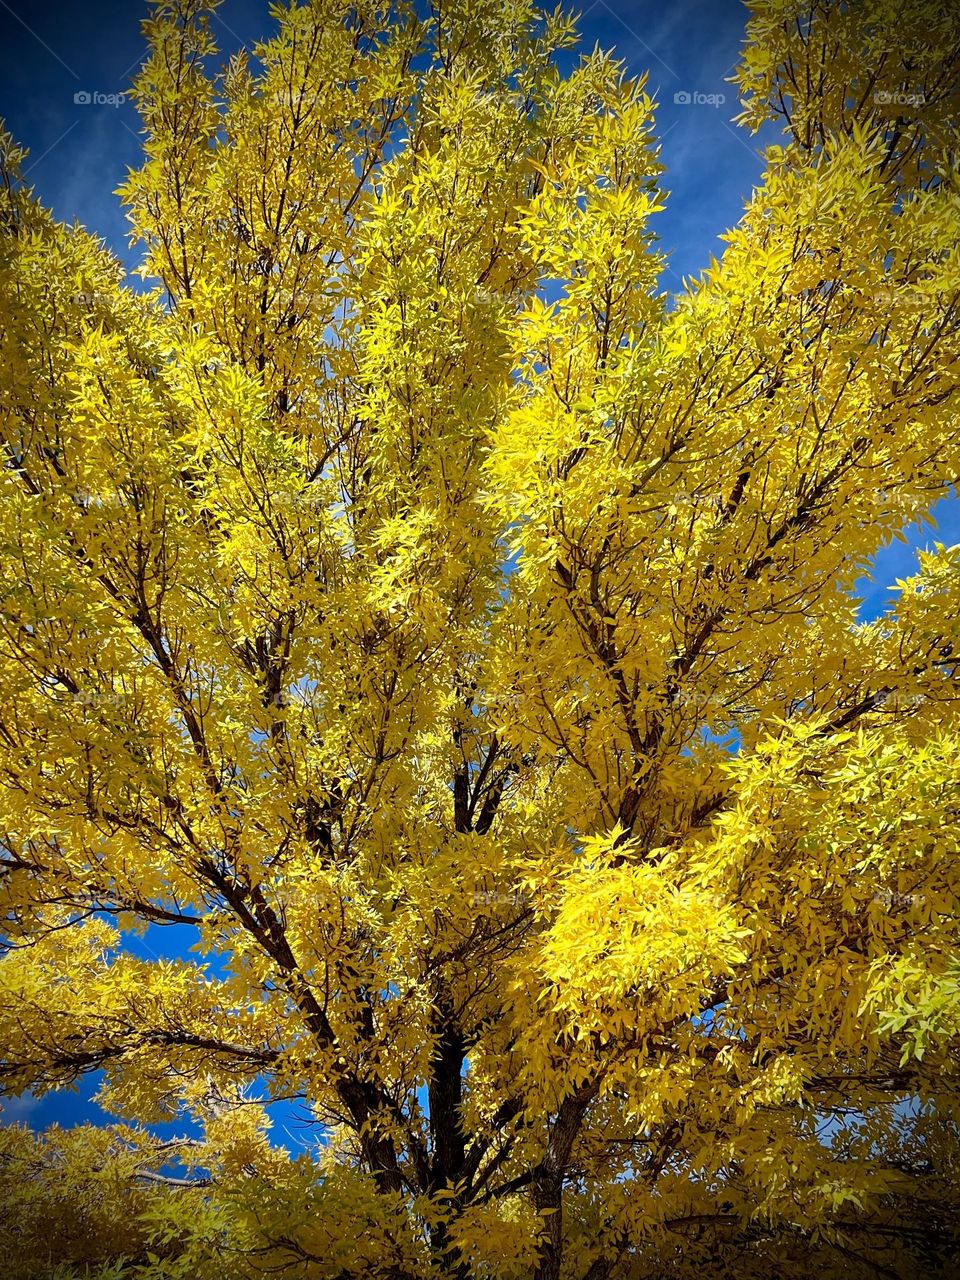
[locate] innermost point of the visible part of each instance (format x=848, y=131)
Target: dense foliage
x=453, y=634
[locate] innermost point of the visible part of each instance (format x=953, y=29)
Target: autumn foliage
x=452, y=635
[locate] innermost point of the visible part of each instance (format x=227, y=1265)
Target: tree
x=476, y=677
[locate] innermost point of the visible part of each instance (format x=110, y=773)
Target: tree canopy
x=455, y=635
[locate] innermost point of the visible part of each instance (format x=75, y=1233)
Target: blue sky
x=80, y=151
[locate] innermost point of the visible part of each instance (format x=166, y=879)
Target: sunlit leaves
x=450, y=639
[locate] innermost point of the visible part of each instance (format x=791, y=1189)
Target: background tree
x=477, y=675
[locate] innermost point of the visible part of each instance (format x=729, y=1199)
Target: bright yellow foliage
x=476, y=677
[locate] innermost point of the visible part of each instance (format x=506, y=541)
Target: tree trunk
x=548, y=1199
